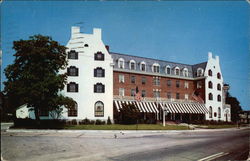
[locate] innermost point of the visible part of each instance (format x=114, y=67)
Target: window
x=169, y=95
x=156, y=68
x=99, y=88
x=121, y=63
x=72, y=71
x=186, y=96
x=86, y=45
x=72, y=112
x=199, y=84
x=168, y=70
x=121, y=78
x=99, y=56
x=219, y=98
x=177, y=71
x=219, y=112
x=218, y=76
x=143, y=93
x=121, y=92
x=132, y=65
x=200, y=72
x=133, y=92
x=156, y=81
x=132, y=79
x=177, y=84
x=72, y=54
x=156, y=94
x=177, y=95
x=210, y=84
x=99, y=72
x=169, y=83
x=72, y=87
x=210, y=73
x=218, y=87
x=99, y=109
x=210, y=112
x=186, y=85
x=143, y=66
x=185, y=72
x=210, y=96
x=143, y=80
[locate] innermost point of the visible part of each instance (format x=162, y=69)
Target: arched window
x=72, y=112
x=177, y=71
x=210, y=112
x=218, y=87
x=210, y=96
x=99, y=72
x=168, y=70
x=218, y=75
x=156, y=68
x=219, y=98
x=99, y=109
x=72, y=54
x=200, y=72
x=132, y=65
x=210, y=73
x=143, y=66
x=72, y=71
x=99, y=88
x=210, y=84
x=121, y=63
x=99, y=56
x=219, y=112
x=185, y=72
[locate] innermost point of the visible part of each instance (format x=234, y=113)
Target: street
x=79, y=145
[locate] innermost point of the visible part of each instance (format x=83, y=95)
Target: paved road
x=128, y=146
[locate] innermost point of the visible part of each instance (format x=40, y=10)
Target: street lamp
x=164, y=114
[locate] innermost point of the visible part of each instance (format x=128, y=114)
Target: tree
x=235, y=107
x=34, y=76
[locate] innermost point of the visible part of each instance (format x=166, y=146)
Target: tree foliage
x=34, y=76
x=235, y=107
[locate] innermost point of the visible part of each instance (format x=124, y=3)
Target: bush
x=85, y=122
x=100, y=122
x=92, y=122
x=109, y=121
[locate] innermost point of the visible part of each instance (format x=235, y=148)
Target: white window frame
x=121, y=92
x=121, y=60
x=166, y=69
x=186, y=85
x=185, y=72
x=141, y=66
x=200, y=72
x=155, y=65
x=186, y=96
x=175, y=71
x=121, y=78
x=130, y=62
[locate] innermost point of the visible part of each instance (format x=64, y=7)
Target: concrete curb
x=124, y=131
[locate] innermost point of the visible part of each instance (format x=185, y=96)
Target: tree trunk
x=37, y=116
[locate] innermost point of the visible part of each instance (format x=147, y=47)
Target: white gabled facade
x=87, y=45
x=214, y=78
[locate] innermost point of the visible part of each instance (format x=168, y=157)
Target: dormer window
x=72, y=54
x=132, y=65
x=185, y=72
x=156, y=68
x=168, y=70
x=177, y=71
x=99, y=56
x=200, y=72
x=121, y=63
x=143, y=66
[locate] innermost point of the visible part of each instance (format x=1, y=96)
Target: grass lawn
x=216, y=126
x=125, y=127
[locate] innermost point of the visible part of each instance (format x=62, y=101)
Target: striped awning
x=142, y=106
x=194, y=108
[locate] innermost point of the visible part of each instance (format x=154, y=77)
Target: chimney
x=97, y=33
x=75, y=30
x=210, y=55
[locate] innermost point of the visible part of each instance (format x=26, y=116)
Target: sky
x=182, y=31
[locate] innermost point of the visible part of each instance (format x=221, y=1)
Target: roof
x=150, y=61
